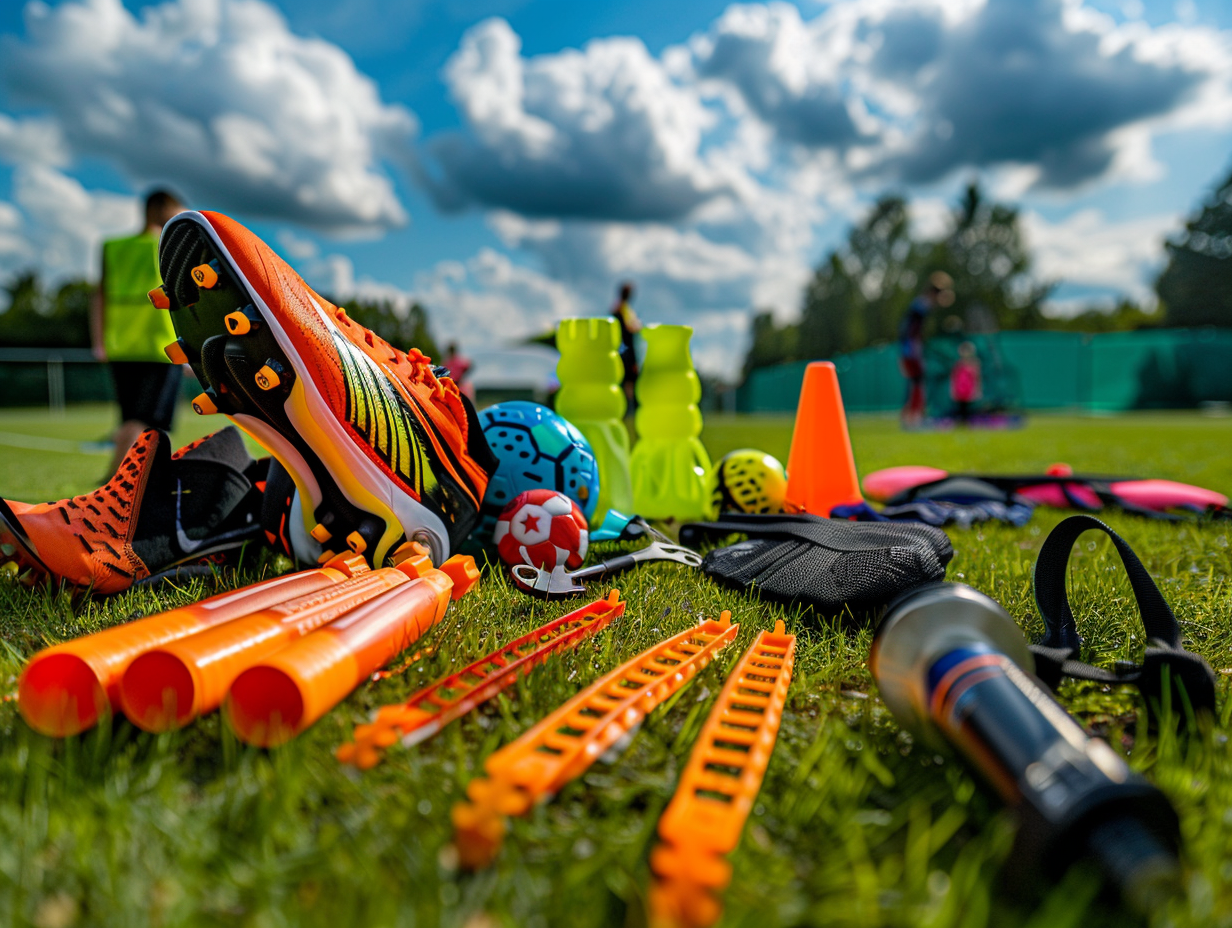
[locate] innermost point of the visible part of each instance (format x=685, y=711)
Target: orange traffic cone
x=821, y=471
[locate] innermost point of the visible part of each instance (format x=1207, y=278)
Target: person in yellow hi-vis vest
x=130, y=334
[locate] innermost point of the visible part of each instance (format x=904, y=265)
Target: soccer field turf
x=855, y=824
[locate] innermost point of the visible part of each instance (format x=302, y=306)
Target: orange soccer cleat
x=380, y=447
x=161, y=514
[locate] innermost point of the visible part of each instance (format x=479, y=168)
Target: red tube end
x=265, y=707
x=60, y=695
x=158, y=692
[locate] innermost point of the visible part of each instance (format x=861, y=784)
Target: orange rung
x=717, y=789
x=65, y=689
x=429, y=710
x=568, y=741
x=276, y=699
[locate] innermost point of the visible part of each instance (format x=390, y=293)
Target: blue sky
x=507, y=163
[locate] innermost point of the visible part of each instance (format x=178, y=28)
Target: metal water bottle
x=953, y=667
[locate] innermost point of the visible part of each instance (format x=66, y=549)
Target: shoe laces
x=106, y=512
x=414, y=367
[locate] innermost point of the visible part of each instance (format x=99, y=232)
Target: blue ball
x=535, y=449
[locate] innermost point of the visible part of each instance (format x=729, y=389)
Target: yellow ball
x=750, y=481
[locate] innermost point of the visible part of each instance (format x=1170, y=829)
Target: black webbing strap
x=1189, y=677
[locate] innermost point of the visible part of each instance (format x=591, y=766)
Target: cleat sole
x=290, y=418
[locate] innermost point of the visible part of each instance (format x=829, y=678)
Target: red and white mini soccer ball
x=542, y=528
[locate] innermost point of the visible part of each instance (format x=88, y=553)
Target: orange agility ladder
x=169, y=686
x=276, y=699
x=569, y=740
x=717, y=789
x=65, y=689
x=452, y=697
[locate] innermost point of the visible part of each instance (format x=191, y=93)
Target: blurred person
x=938, y=292
x=130, y=334
x=630, y=325
x=459, y=366
x=966, y=385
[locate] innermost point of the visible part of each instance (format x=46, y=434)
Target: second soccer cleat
x=380, y=447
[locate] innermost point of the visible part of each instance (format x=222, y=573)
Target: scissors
x=558, y=582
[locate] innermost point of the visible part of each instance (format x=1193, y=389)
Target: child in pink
x=965, y=385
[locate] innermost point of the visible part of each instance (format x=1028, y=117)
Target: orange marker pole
x=719, y=785
x=168, y=687
x=273, y=701
x=65, y=689
x=821, y=470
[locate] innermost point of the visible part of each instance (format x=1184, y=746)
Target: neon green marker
x=590, y=373
x=671, y=470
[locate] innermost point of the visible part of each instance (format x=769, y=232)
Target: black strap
x=1166, y=665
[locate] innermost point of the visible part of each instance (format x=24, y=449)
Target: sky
x=508, y=162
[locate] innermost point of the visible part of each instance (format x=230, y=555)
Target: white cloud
x=682, y=277
x=486, y=301
x=1086, y=249
x=31, y=141
x=298, y=247
x=601, y=132
x=16, y=251
x=216, y=97
x=489, y=300
x=914, y=89
x=58, y=227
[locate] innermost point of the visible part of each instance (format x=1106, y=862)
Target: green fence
x=55, y=377
x=1149, y=369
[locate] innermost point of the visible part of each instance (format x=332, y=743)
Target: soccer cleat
x=162, y=514
x=380, y=448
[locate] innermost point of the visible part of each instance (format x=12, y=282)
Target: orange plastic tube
x=568, y=741
x=719, y=785
x=67, y=688
x=168, y=687
x=273, y=701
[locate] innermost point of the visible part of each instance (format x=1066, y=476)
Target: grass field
x=855, y=824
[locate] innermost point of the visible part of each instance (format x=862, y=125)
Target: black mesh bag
x=823, y=563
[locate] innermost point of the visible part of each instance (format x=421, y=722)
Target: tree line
x=860, y=291
x=856, y=298
x=59, y=317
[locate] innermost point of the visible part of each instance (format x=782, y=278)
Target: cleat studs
x=204, y=404
x=320, y=533
x=158, y=296
x=356, y=543
x=206, y=275
x=326, y=557
x=175, y=352
x=237, y=323
x=243, y=321
x=270, y=375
